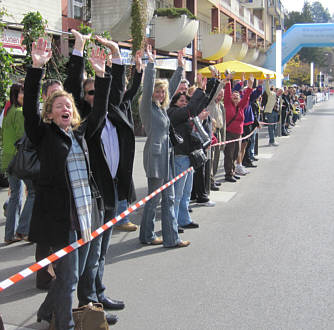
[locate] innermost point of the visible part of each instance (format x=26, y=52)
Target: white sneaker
x=240, y=170
x=274, y=144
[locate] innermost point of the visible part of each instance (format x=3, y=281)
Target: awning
x=239, y=68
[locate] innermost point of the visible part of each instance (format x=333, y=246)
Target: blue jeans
x=16, y=221
x=182, y=189
x=86, y=286
x=168, y=220
x=272, y=118
x=59, y=298
x=122, y=206
x=252, y=145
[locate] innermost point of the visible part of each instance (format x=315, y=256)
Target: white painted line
x=222, y=196
x=15, y=327
x=264, y=156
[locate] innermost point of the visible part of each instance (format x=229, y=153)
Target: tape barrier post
x=75, y=245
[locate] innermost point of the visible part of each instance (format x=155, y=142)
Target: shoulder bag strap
x=235, y=116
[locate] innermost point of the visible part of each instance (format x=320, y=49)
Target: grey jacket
x=158, y=149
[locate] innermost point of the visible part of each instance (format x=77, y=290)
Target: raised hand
x=151, y=55
x=80, y=40
x=201, y=82
x=250, y=81
x=98, y=61
x=138, y=60
x=112, y=45
x=39, y=53
x=203, y=115
x=180, y=60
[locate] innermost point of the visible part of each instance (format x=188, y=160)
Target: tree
x=299, y=72
x=319, y=13
x=314, y=13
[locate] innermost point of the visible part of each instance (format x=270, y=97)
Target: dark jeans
x=59, y=298
x=45, y=275
x=231, y=153
x=201, y=181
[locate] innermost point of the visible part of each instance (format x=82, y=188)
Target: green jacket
x=12, y=130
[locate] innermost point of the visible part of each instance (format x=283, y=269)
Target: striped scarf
x=78, y=175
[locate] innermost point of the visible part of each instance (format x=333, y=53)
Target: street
x=263, y=257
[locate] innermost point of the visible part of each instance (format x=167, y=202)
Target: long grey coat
x=158, y=149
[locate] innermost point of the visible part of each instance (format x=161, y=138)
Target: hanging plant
x=33, y=28
x=138, y=24
x=174, y=12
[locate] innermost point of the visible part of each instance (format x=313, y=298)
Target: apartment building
x=224, y=30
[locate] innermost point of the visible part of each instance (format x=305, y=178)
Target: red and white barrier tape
x=75, y=245
x=235, y=140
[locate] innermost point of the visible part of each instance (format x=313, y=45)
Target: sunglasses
x=91, y=92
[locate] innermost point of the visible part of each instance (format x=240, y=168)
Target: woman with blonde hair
x=65, y=201
x=158, y=154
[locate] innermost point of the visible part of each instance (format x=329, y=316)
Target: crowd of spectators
x=84, y=137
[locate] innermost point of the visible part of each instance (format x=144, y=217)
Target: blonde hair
x=47, y=108
x=162, y=83
x=191, y=90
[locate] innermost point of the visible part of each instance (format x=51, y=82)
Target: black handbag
x=175, y=138
x=25, y=164
x=197, y=158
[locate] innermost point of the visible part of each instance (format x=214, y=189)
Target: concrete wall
x=49, y=9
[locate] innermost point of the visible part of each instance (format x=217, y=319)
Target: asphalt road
x=263, y=257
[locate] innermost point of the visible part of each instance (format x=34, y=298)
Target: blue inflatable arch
x=299, y=36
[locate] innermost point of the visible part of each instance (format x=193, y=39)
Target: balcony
x=275, y=8
x=253, y=4
x=251, y=56
x=115, y=18
x=214, y=46
x=237, y=52
x=173, y=34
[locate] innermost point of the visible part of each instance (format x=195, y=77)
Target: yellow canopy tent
x=239, y=68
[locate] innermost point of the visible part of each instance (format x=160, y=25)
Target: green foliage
x=33, y=28
x=299, y=72
x=85, y=29
x=138, y=24
x=174, y=12
x=6, y=67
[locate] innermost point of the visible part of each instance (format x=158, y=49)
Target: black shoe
x=190, y=210
x=112, y=304
x=249, y=164
x=218, y=184
x=111, y=319
x=214, y=187
x=191, y=225
x=43, y=317
x=254, y=159
x=202, y=200
x=285, y=134
x=180, y=230
x=236, y=177
x=230, y=179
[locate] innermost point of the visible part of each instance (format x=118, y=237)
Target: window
x=78, y=9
